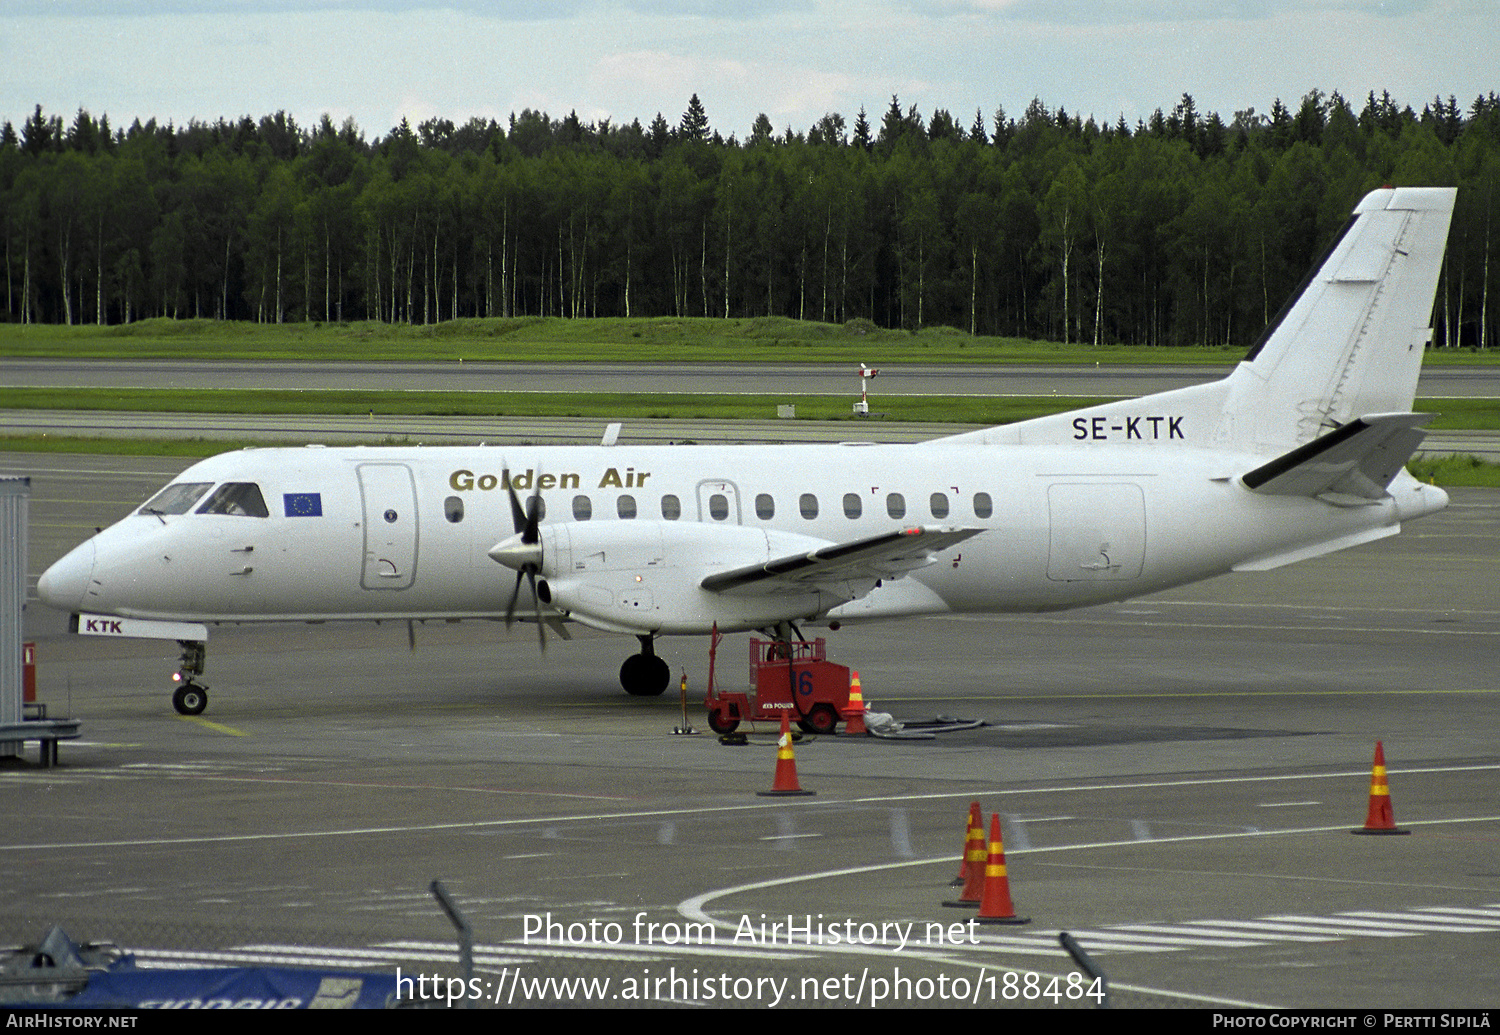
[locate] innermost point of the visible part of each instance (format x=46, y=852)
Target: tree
x=660, y=135
x=897, y=127
x=1063, y=212
x=39, y=134
x=978, y=228
x=694, y=124
x=829, y=130
x=977, y=131
x=862, y=137
x=762, y=133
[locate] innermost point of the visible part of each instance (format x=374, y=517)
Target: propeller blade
x=515, y=595
x=517, y=515
x=531, y=534
x=541, y=628
x=527, y=523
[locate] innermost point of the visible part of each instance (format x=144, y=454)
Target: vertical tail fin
x=1351, y=343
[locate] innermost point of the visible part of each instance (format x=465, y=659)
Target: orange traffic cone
x=971, y=868
x=854, y=711
x=995, y=906
x=785, y=782
x=973, y=831
x=1380, y=819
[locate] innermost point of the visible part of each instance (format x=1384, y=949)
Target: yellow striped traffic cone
x=973, y=831
x=971, y=869
x=995, y=905
x=785, y=784
x=1381, y=818
x=854, y=711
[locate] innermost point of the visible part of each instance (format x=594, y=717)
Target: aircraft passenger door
x=718, y=502
x=390, y=509
x=1098, y=532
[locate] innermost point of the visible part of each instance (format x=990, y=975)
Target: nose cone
x=517, y=554
x=64, y=584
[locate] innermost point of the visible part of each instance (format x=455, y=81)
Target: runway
x=789, y=379
x=378, y=430
x=1176, y=778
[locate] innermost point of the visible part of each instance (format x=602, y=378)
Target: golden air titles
x=527, y=480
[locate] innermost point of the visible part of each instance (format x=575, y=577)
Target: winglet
x=1351, y=464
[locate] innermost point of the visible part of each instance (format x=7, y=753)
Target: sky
x=377, y=61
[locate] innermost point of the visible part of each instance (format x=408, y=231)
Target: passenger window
x=765, y=506
x=939, y=504
x=983, y=508
x=852, y=505
x=625, y=507
x=176, y=499
x=453, y=509
x=808, y=504
x=895, y=505
x=583, y=508
x=237, y=499
x=671, y=507
x=718, y=506
x=537, y=507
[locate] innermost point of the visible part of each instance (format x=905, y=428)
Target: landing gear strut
x=644, y=674
x=190, y=697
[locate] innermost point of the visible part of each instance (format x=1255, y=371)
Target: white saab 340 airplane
x=1300, y=451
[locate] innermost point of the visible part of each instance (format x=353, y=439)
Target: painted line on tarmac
x=492, y=824
x=1134, y=695
x=217, y=727
x=694, y=908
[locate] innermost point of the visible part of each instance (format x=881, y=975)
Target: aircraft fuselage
x=371, y=533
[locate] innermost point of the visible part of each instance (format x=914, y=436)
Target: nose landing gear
x=645, y=674
x=190, y=697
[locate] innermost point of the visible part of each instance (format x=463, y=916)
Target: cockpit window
x=241, y=499
x=176, y=499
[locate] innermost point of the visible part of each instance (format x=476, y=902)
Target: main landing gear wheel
x=645, y=675
x=190, y=698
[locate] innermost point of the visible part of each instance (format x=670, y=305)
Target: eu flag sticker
x=303, y=504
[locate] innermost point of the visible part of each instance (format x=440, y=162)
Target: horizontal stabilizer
x=883, y=556
x=1353, y=463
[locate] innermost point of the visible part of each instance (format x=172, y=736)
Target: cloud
x=1135, y=12
x=510, y=10
x=499, y=10
x=783, y=91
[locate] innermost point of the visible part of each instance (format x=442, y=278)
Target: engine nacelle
x=644, y=576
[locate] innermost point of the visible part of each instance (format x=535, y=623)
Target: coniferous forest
x=1185, y=229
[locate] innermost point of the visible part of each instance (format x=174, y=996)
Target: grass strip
x=556, y=339
x=616, y=340
x=613, y=405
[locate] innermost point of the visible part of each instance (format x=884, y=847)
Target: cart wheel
x=821, y=719
x=722, y=721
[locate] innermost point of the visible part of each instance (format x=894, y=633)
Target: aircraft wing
x=888, y=555
x=1353, y=463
